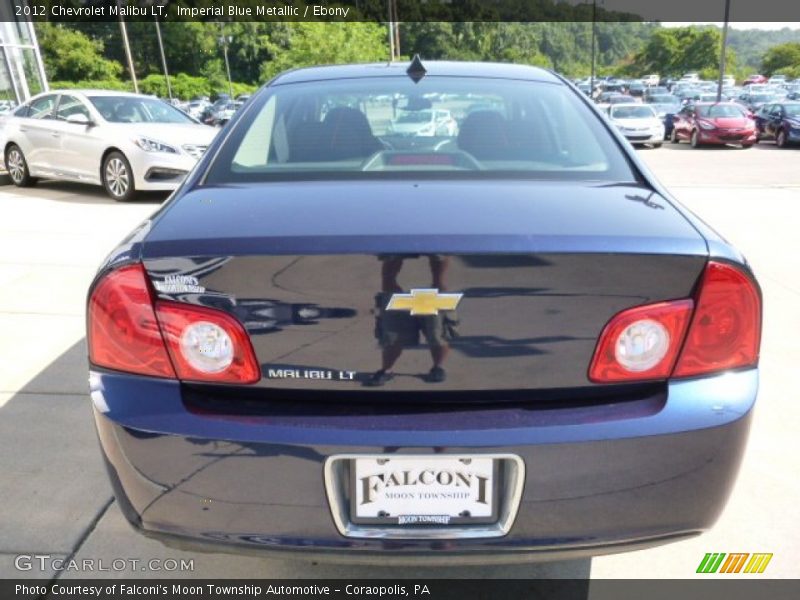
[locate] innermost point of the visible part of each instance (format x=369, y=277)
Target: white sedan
x=124, y=142
x=425, y=123
x=639, y=123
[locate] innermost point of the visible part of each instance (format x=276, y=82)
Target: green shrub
x=184, y=86
x=96, y=84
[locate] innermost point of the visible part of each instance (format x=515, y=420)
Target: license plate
x=424, y=490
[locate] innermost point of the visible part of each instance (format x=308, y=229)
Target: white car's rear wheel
x=118, y=177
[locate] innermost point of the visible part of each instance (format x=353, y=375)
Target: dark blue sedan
x=354, y=330
x=779, y=122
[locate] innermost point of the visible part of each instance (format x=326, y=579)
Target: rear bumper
x=598, y=479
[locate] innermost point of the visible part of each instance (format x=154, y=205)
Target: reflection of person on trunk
x=397, y=330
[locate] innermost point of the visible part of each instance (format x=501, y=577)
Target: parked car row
x=121, y=141
x=690, y=85
x=742, y=116
x=215, y=113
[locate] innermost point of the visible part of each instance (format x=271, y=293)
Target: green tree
x=752, y=44
x=305, y=44
x=432, y=40
x=784, y=58
x=71, y=55
x=673, y=51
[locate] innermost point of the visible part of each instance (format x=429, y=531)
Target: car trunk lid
x=311, y=269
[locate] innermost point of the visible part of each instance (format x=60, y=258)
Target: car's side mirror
x=79, y=119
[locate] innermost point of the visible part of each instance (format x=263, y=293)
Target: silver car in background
x=639, y=123
x=124, y=142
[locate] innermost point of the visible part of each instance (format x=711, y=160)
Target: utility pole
x=224, y=40
x=724, y=46
x=391, y=30
x=163, y=58
x=594, y=35
x=128, y=55
x=396, y=21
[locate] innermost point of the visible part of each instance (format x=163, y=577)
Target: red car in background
x=714, y=123
x=755, y=78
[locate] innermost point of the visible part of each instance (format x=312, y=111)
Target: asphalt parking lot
x=56, y=498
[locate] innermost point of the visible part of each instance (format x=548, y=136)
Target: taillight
x=720, y=330
x=130, y=331
x=123, y=332
x=725, y=332
x=641, y=343
x=207, y=344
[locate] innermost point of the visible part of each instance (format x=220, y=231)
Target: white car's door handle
x=55, y=134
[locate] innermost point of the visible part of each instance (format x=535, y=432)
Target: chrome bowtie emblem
x=421, y=302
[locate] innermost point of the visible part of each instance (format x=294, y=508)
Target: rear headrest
x=349, y=134
x=484, y=135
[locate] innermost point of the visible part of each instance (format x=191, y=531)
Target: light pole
x=391, y=30
x=396, y=21
x=225, y=40
x=594, y=34
x=724, y=45
x=163, y=58
x=127, y=45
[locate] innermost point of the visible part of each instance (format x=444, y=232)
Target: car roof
x=91, y=92
x=433, y=68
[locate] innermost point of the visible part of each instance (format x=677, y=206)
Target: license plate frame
x=426, y=520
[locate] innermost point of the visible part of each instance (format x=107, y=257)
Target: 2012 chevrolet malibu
x=501, y=342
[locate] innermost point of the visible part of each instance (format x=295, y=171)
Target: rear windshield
x=446, y=127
